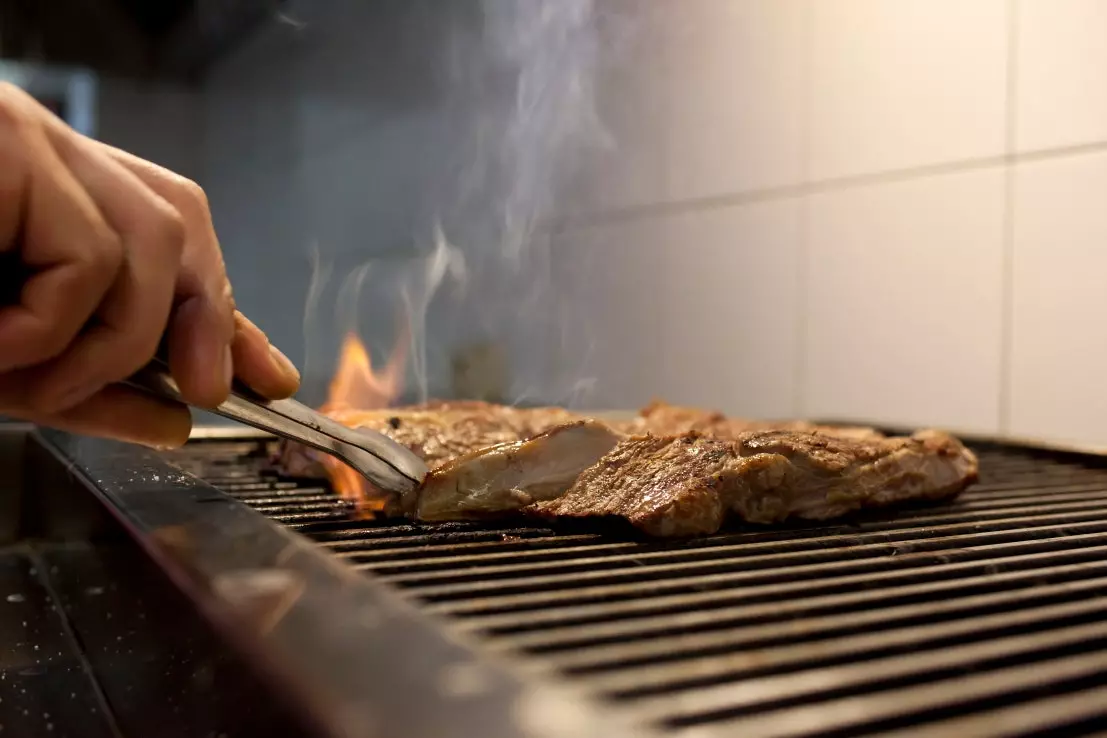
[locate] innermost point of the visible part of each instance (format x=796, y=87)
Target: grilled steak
x=439, y=430
x=689, y=484
x=512, y=476
x=662, y=419
x=436, y=431
x=672, y=471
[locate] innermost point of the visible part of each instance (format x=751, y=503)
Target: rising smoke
x=518, y=105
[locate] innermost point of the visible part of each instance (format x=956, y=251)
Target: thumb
x=261, y=365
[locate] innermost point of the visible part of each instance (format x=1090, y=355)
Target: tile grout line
x=1008, y=235
x=721, y=202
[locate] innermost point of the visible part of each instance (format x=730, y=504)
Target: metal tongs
x=385, y=463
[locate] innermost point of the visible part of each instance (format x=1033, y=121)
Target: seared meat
x=662, y=419
x=436, y=431
x=689, y=484
x=672, y=471
x=442, y=430
x=512, y=476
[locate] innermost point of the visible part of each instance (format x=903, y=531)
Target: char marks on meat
x=689, y=484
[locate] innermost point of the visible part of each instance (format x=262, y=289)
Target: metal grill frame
x=337, y=636
x=348, y=651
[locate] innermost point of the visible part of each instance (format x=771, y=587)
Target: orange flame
x=356, y=386
x=354, y=390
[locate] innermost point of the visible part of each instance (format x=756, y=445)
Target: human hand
x=116, y=254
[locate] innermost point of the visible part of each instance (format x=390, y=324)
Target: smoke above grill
x=518, y=108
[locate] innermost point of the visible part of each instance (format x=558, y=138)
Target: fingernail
x=283, y=363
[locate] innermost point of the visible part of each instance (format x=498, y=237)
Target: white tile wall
x=1059, y=346
x=905, y=83
x=730, y=305
x=612, y=289
x=735, y=85
x=900, y=318
x=624, y=164
x=905, y=311
x=1062, y=73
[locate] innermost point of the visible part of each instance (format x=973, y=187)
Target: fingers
x=202, y=328
x=132, y=316
x=116, y=411
x=209, y=342
x=115, y=250
x=97, y=253
x=260, y=364
x=74, y=262
x=126, y=415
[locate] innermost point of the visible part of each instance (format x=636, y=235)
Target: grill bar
x=850, y=555
x=1032, y=717
x=850, y=715
x=983, y=617
x=612, y=642
x=774, y=592
x=465, y=600
x=766, y=650
x=362, y=546
x=610, y=555
x=809, y=550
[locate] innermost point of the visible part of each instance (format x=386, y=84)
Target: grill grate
x=985, y=617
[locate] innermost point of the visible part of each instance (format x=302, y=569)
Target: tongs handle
x=384, y=462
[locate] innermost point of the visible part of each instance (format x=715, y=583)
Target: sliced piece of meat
x=436, y=431
x=512, y=476
x=690, y=484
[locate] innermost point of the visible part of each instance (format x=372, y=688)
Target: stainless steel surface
x=387, y=464
x=981, y=618
x=94, y=640
x=343, y=650
x=46, y=686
